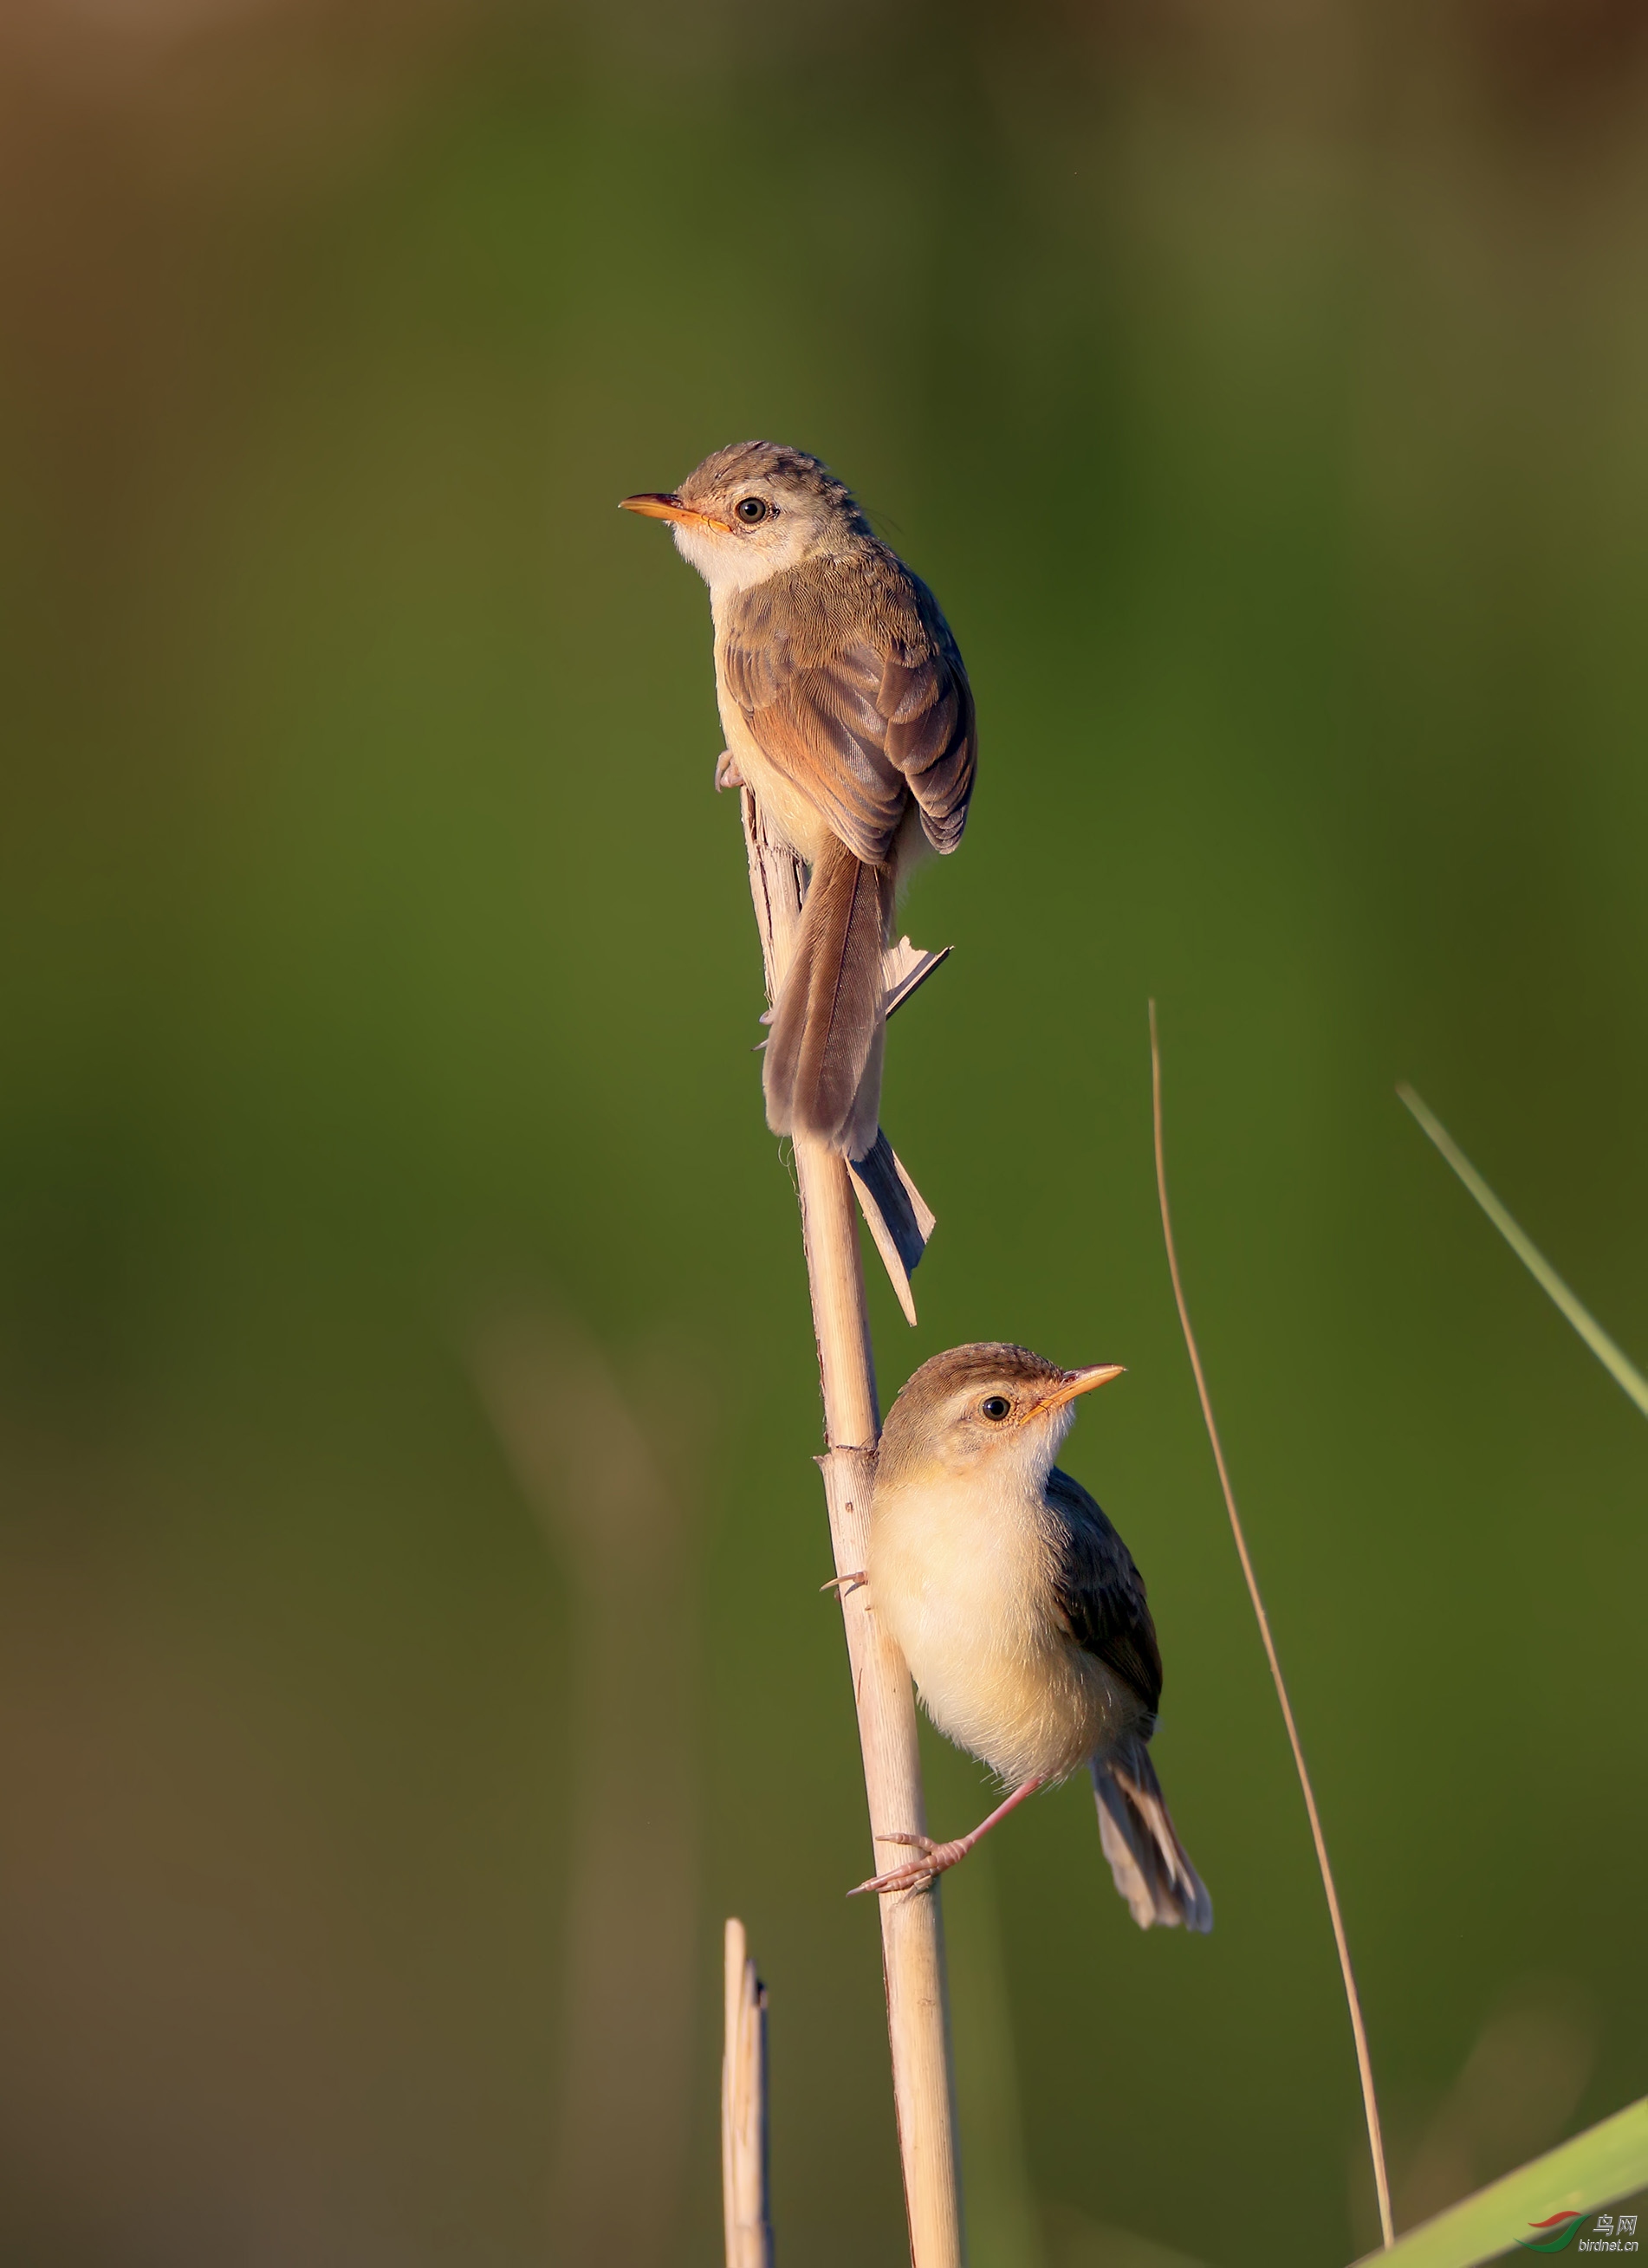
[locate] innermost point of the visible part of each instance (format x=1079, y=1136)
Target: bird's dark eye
x=752, y=510
x=995, y=1406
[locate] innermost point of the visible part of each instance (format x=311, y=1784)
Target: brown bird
x=1020, y=1612
x=847, y=712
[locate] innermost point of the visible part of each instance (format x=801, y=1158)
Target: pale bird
x=1020, y=1612
x=848, y=714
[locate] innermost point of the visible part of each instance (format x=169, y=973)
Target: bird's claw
x=844, y=1584
x=916, y=1874
x=726, y=772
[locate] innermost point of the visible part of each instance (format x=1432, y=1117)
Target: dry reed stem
x=913, y=1944
x=748, y=2216
x=1365, y=2061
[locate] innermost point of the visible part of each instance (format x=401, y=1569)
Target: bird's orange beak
x=1076, y=1382
x=652, y=504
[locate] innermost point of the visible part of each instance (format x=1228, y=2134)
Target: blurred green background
x=1261, y=388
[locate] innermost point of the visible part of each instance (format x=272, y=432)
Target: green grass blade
x=1613, y=1359
x=1605, y=2162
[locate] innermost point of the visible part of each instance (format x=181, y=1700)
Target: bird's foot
x=843, y=1584
x=726, y=772
x=916, y=1874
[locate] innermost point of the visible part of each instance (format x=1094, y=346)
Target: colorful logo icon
x=1560, y=2232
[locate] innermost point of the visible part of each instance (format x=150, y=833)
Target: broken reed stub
x=746, y=2211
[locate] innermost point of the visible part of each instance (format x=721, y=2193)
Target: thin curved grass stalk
x=1365, y=2061
x=1618, y=1365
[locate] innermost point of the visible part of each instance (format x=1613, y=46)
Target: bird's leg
x=935, y=1857
x=842, y=1584
x=726, y=772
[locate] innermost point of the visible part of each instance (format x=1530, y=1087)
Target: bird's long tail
x=822, y=1070
x=1152, y=1870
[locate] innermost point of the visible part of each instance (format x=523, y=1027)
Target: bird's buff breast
x=789, y=815
x=960, y=1576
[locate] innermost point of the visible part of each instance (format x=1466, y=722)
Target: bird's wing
x=1099, y=1590
x=852, y=688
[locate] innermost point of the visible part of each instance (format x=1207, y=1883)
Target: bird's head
x=753, y=509
x=983, y=1406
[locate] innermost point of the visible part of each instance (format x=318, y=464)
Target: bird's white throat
x=731, y=563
